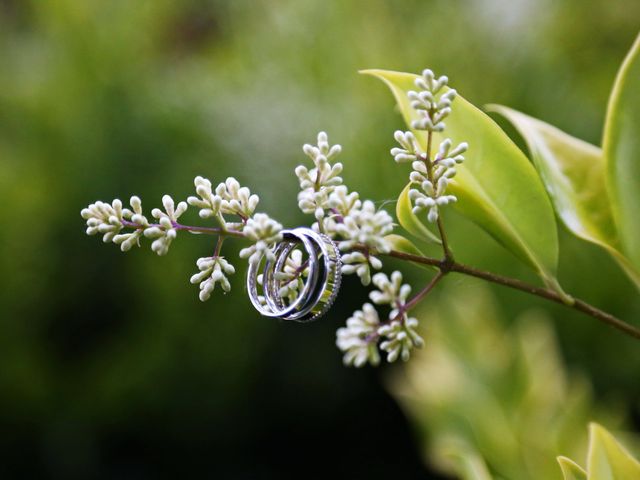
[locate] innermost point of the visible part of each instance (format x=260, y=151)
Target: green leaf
x=608, y=460
x=573, y=171
x=496, y=187
x=571, y=470
x=470, y=466
x=402, y=244
x=409, y=221
x=621, y=145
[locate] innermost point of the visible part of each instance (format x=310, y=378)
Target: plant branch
x=219, y=243
x=189, y=228
x=579, y=305
x=422, y=293
x=429, y=165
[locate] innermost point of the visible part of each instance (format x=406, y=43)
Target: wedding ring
x=291, y=239
x=267, y=307
x=320, y=287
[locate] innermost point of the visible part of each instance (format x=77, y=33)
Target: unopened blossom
x=431, y=103
x=228, y=198
x=391, y=291
x=235, y=199
x=358, y=340
x=213, y=270
x=361, y=264
x=341, y=203
x=317, y=184
x=106, y=219
x=366, y=226
x=399, y=333
x=207, y=201
x=264, y=231
x=128, y=240
x=164, y=233
x=400, y=338
x=431, y=191
x=409, y=150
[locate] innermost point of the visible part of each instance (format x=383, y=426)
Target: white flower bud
x=359, y=338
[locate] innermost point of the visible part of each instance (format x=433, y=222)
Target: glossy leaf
x=402, y=244
x=496, y=187
x=573, y=172
x=608, y=460
x=409, y=220
x=621, y=145
x=571, y=470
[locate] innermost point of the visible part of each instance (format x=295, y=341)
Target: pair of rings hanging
x=298, y=286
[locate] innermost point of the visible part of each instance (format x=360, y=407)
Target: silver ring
x=291, y=238
x=320, y=287
x=267, y=308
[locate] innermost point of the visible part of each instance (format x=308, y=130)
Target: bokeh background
x=110, y=367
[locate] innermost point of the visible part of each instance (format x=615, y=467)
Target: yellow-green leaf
x=402, y=244
x=573, y=172
x=409, y=221
x=496, y=187
x=608, y=460
x=571, y=470
x=621, y=145
x=470, y=466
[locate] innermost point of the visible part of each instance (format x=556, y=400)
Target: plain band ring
x=252, y=277
x=290, y=239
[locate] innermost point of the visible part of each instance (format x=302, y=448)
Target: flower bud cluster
x=358, y=340
x=430, y=176
x=264, y=231
x=128, y=240
x=318, y=183
x=228, y=198
x=165, y=231
x=213, y=270
x=433, y=177
x=431, y=105
x=105, y=219
x=365, y=227
x=397, y=336
x=410, y=151
x=340, y=213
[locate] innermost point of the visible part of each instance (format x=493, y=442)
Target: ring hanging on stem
x=320, y=274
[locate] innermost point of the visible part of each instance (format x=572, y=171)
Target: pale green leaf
x=571, y=470
x=409, y=221
x=573, y=172
x=402, y=244
x=496, y=187
x=621, y=145
x=608, y=460
x=470, y=466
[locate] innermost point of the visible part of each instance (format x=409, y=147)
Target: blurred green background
x=110, y=367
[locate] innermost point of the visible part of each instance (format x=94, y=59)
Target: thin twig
x=579, y=305
x=219, y=243
x=189, y=228
x=422, y=293
x=429, y=165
